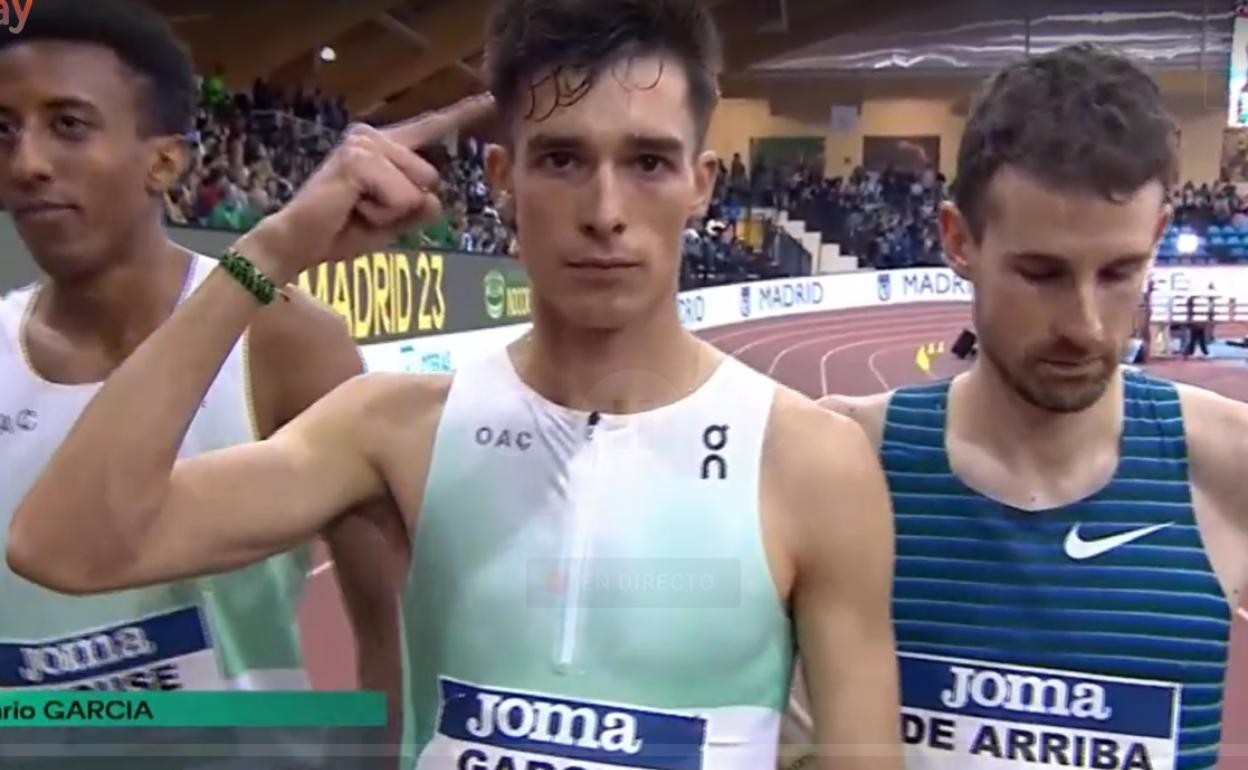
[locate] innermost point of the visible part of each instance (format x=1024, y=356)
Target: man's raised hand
x=371, y=188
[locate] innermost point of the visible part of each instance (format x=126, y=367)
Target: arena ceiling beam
x=183, y=11
x=365, y=56
x=819, y=89
x=454, y=31
x=438, y=90
x=747, y=42
x=401, y=29
x=254, y=39
x=389, y=42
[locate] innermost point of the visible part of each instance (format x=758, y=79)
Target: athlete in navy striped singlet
x=1092, y=634
x=1071, y=535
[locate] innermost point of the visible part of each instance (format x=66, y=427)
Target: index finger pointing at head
x=431, y=127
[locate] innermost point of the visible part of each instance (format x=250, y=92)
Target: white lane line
x=911, y=337
x=841, y=327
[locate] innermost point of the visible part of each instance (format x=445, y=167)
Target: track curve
x=848, y=352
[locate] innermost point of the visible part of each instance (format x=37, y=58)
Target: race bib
x=172, y=651
x=491, y=729
x=975, y=715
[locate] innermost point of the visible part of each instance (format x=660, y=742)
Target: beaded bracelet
x=246, y=273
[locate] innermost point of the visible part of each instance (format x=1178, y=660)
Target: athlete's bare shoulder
x=1216, y=430
x=795, y=411
x=1216, y=433
x=402, y=412
x=868, y=411
x=405, y=397
x=817, y=451
x=12, y=307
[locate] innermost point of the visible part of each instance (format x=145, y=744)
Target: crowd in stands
x=252, y=150
x=1210, y=225
x=474, y=221
x=887, y=219
x=726, y=246
x=1198, y=208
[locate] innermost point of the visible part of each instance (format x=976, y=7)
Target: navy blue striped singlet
x=1088, y=636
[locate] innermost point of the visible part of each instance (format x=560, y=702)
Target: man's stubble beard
x=1059, y=400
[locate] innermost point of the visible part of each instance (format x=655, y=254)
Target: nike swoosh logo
x=1080, y=550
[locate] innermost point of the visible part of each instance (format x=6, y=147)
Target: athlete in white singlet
x=94, y=101
x=617, y=535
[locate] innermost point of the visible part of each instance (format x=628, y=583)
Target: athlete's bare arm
x=376, y=534
x=114, y=508
x=300, y=352
x=1217, y=441
x=841, y=533
x=797, y=740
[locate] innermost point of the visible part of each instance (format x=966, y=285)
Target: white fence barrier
x=742, y=303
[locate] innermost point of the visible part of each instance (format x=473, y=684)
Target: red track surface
x=853, y=352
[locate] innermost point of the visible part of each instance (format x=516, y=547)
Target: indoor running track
x=849, y=352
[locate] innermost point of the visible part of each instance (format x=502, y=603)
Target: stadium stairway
x=825, y=257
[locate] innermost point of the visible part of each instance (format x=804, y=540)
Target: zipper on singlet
x=582, y=523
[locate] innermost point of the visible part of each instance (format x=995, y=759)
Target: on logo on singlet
x=487, y=729
x=979, y=715
x=171, y=651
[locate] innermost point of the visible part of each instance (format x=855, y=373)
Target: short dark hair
x=531, y=38
x=1082, y=118
x=140, y=37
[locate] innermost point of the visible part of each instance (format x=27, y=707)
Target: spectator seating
x=1186, y=244
x=251, y=151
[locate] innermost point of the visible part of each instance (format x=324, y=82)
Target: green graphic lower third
x=192, y=709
